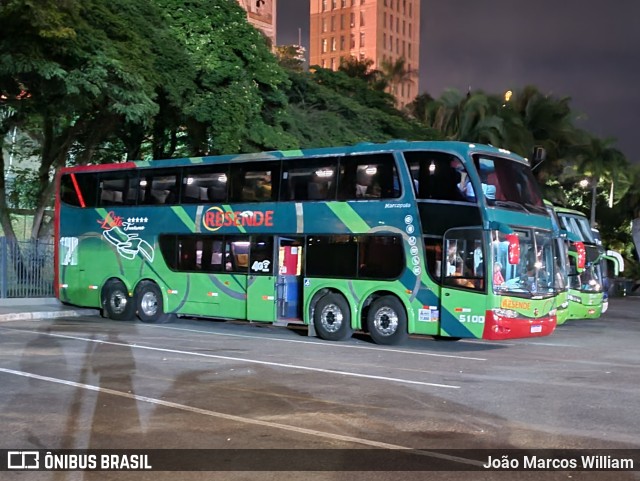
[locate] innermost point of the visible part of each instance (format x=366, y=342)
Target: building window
x=324, y=5
x=391, y=42
x=333, y=23
x=324, y=25
x=384, y=41
x=384, y=20
x=334, y=4
x=342, y=44
x=409, y=29
x=353, y=41
x=343, y=4
x=409, y=48
x=342, y=22
x=361, y=39
x=334, y=45
x=410, y=10
x=362, y=19
x=397, y=24
x=324, y=45
x=352, y=19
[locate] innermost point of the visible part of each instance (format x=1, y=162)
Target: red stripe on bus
x=77, y=187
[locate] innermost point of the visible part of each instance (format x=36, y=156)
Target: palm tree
x=395, y=73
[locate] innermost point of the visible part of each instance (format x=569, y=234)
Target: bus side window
x=463, y=264
x=436, y=175
x=236, y=254
x=371, y=176
x=314, y=179
x=202, y=185
x=118, y=188
x=261, y=261
x=85, y=193
x=157, y=187
x=255, y=182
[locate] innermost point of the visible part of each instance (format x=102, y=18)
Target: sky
x=587, y=50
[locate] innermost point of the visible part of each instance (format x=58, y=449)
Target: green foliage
x=330, y=108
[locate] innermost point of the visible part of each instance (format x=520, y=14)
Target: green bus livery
x=587, y=296
x=446, y=239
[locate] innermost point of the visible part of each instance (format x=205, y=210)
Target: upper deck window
x=437, y=175
x=368, y=177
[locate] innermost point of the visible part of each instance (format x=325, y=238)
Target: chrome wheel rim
x=149, y=303
x=386, y=321
x=118, y=302
x=331, y=318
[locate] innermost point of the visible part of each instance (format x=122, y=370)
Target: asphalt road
x=92, y=383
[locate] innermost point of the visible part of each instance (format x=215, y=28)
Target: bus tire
x=332, y=318
x=116, y=302
x=149, y=303
x=387, y=321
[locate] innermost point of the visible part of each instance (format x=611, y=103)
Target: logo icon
x=23, y=460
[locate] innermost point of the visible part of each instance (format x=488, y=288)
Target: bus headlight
x=573, y=298
x=505, y=313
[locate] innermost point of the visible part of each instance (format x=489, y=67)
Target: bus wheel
x=149, y=303
x=116, y=301
x=332, y=318
x=387, y=321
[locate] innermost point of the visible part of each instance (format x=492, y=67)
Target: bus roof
x=462, y=149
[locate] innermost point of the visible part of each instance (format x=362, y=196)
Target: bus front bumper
x=497, y=327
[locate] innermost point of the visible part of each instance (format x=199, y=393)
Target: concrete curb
x=31, y=316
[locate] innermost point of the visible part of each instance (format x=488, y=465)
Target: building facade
x=380, y=30
x=262, y=15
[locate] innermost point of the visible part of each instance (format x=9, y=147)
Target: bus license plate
x=536, y=328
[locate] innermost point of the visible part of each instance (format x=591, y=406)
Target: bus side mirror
x=514, y=248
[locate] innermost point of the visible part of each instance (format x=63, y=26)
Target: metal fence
x=26, y=268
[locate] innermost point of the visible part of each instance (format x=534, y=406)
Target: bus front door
x=463, y=293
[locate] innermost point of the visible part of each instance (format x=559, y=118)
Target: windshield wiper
x=511, y=204
x=536, y=208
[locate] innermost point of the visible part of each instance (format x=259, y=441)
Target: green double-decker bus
x=446, y=239
x=587, y=296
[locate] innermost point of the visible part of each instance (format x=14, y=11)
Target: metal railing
x=26, y=268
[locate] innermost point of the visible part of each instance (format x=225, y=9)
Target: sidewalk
x=39, y=308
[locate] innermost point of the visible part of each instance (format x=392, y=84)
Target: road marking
x=240, y=419
x=241, y=359
x=323, y=344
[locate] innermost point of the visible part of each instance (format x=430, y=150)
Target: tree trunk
x=5, y=217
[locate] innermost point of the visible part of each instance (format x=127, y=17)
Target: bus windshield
x=589, y=280
x=524, y=267
x=578, y=225
x=509, y=184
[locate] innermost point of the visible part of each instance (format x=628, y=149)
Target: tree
x=84, y=68
x=237, y=101
x=330, y=108
x=395, y=73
